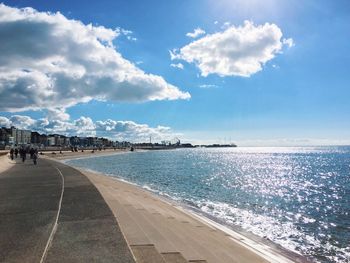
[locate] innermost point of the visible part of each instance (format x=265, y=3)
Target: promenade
x=52, y=213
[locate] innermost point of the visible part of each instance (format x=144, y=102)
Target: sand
x=74, y=155
x=148, y=219
x=5, y=163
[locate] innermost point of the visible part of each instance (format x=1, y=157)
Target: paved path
x=30, y=199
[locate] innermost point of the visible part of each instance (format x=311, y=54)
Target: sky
x=256, y=73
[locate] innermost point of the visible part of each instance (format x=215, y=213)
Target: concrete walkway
x=34, y=198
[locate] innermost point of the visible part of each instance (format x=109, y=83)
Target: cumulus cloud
x=49, y=61
x=196, y=33
x=57, y=114
x=85, y=126
x=5, y=122
x=131, y=131
x=235, y=51
x=21, y=122
x=177, y=65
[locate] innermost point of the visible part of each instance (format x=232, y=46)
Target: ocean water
x=298, y=197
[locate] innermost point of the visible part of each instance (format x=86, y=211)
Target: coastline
x=69, y=155
x=248, y=243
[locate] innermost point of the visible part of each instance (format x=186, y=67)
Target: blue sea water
x=298, y=197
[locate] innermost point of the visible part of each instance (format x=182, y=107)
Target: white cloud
x=208, y=86
x=226, y=25
x=57, y=114
x=5, y=122
x=49, y=61
x=84, y=126
x=21, y=122
x=236, y=51
x=173, y=54
x=177, y=65
x=131, y=38
x=216, y=22
x=131, y=131
x=196, y=33
x=288, y=41
x=126, y=33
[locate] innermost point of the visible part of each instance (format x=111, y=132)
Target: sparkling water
x=298, y=197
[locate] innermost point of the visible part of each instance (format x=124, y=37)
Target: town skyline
x=14, y=137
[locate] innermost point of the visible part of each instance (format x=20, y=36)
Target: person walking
x=23, y=153
x=31, y=152
x=35, y=157
x=11, y=153
x=16, y=153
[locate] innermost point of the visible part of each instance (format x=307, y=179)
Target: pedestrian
x=23, y=153
x=35, y=157
x=16, y=152
x=31, y=152
x=11, y=153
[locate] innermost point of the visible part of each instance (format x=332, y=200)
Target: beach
x=64, y=155
x=147, y=219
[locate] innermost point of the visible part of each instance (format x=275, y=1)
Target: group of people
x=23, y=154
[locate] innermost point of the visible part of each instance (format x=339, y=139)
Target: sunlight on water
x=296, y=197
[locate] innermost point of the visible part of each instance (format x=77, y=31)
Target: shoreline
x=256, y=244
x=266, y=249
x=69, y=155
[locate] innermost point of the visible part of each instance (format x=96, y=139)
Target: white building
x=20, y=136
x=51, y=141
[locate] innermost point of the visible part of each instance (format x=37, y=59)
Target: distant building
x=25, y=136
x=5, y=135
x=35, y=138
x=14, y=136
x=51, y=141
x=106, y=142
x=39, y=139
x=74, y=141
x=58, y=140
x=18, y=136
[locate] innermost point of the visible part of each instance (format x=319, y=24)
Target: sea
x=296, y=197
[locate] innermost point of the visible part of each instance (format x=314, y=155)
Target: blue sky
x=299, y=96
